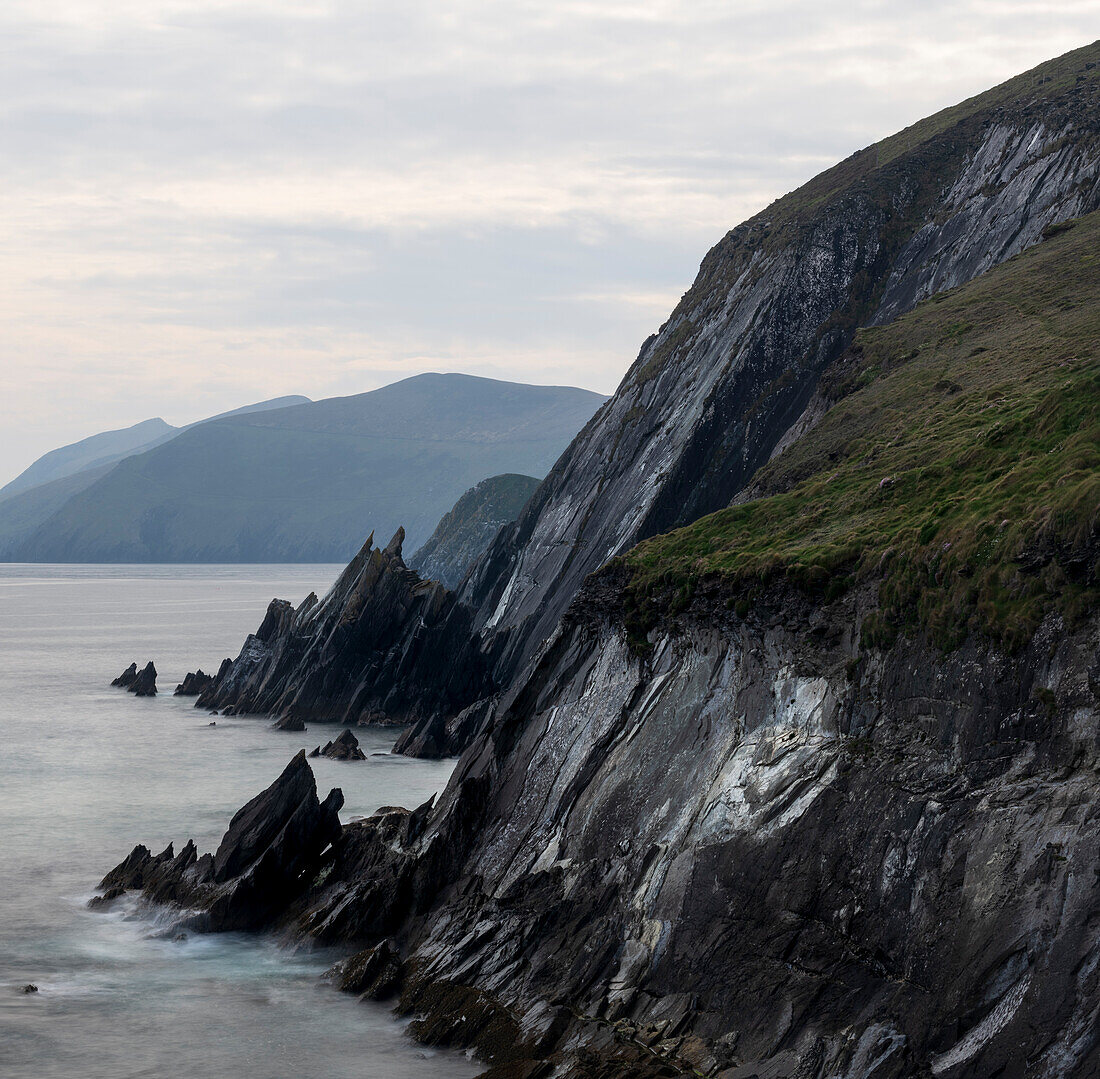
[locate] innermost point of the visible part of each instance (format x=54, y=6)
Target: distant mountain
x=469, y=527
x=96, y=450
x=42, y=489
x=308, y=482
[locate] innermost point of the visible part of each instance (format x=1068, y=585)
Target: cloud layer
x=210, y=202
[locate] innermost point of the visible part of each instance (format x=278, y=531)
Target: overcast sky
x=208, y=202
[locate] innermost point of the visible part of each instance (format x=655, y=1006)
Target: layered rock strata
x=382, y=647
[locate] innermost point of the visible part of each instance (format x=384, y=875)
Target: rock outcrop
x=263, y=863
x=343, y=748
x=142, y=683
x=383, y=647
x=194, y=682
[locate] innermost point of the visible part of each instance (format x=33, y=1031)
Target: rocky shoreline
x=796, y=797
x=797, y=820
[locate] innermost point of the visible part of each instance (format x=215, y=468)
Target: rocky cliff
x=712, y=394
x=732, y=375
x=382, y=647
x=806, y=787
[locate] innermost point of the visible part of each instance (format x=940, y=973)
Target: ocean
x=87, y=771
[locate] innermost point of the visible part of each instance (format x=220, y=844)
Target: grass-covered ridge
x=960, y=469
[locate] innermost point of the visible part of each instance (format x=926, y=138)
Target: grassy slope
x=960, y=469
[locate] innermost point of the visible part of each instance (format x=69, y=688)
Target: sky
x=206, y=203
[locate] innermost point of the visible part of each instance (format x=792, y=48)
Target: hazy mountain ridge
x=92, y=452
x=307, y=482
x=98, y=451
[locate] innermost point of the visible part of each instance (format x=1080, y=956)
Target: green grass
x=960, y=469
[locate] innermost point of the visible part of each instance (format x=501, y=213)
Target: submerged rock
x=264, y=861
x=194, y=683
x=30, y=987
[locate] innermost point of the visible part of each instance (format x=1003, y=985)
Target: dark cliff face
x=779, y=298
x=465, y=532
x=382, y=647
x=743, y=830
x=759, y=850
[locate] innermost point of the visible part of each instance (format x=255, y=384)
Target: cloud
x=204, y=203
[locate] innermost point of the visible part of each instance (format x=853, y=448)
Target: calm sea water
x=87, y=771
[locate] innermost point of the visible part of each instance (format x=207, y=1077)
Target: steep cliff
x=776, y=301
x=733, y=374
x=807, y=788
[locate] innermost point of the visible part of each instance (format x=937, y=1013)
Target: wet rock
x=289, y=723
x=30, y=987
x=107, y=898
x=194, y=683
x=374, y=973
x=127, y=678
x=143, y=683
x=382, y=648
x=264, y=861
x=343, y=748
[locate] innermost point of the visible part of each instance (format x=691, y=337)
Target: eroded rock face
x=759, y=849
x=383, y=647
x=262, y=864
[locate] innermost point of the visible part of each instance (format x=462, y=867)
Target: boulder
x=344, y=748
x=267, y=857
x=289, y=723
